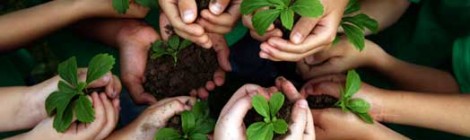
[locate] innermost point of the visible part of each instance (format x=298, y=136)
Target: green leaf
x=205, y=126
x=261, y=106
x=355, y=35
x=200, y=109
x=121, y=6
x=249, y=6
x=287, y=18
x=99, y=66
x=64, y=87
x=157, y=46
x=63, y=119
x=185, y=43
x=174, y=42
x=261, y=20
x=279, y=3
x=275, y=103
x=260, y=131
x=280, y=126
x=308, y=8
x=353, y=83
x=81, y=86
x=198, y=136
x=358, y=105
x=58, y=99
x=84, y=110
x=189, y=121
x=363, y=21
x=286, y=2
x=366, y=117
x=68, y=71
x=353, y=6
x=167, y=134
x=148, y=3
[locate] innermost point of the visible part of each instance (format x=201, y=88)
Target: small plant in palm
x=196, y=124
x=172, y=47
x=272, y=123
x=71, y=98
x=346, y=102
x=285, y=9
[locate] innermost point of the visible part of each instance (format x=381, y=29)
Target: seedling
x=355, y=24
x=272, y=123
x=358, y=106
x=196, y=125
x=267, y=11
x=71, y=98
x=172, y=47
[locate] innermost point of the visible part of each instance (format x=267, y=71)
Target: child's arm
x=29, y=24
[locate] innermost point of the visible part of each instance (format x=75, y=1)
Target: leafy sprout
x=355, y=24
x=358, y=106
x=171, y=47
x=271, y=124
x=196, y=124
x=285, y=9
x=71, y=98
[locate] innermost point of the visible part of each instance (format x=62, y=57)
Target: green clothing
x=461, y=63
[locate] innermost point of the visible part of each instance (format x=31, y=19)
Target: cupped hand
x=106, y=117
x=221, y=16
x=340, y=58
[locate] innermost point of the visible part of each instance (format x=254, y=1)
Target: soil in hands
x=284, y=113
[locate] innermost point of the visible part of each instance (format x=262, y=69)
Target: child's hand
x=153, y=118
x=106, y=117
x=182, y=14
x=340, y=58
x=104, y=8
x=215, y=20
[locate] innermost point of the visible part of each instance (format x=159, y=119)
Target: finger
x=110, y=88
x=298, y=120
x=329, y=67
x=210, y=85
x=117, y=87
x=172, y=14
x=235, y=114
x=98, y=83
x=170, y=109
x=202, y=93
x=214, y=28
x=267, y=56
x=302, y=29
x=309, y=133
x=189, y=101
x=217, y=7
x=110, y=117
x=219, y=77
x=247, y=89
x=246, y=20
x=288, y=89
x=187, y=10
x=223, y=19
x=193, y=93
x=117, y=109
x=328, y=88
x=100, y=115
x=275, y=53
x=222, y=50
x=165, y=27
x=202, y=40
x=312, y=41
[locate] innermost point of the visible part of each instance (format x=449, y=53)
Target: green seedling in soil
x=272, y=123
x=196, y=124
x=172, y=47
x=285, y=9
x=71, y=98
x=355, y=24
x=346, y=102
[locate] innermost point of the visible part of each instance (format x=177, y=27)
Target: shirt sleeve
x=461, y=63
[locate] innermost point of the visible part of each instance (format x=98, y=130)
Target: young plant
x=354, y=24
x=358, y=106
x=196, y=125
x=71, y=98
x=265, y=130
x=172, y=47
x=285, y=9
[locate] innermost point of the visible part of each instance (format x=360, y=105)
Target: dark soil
x=284, y=113
x=321, y=101
x=195, y=66
x=175, y=122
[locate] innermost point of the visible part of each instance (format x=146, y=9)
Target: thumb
x=188, y=10
x=217, y=7
x=222, y=51
x=299, y=120
x=164, y=27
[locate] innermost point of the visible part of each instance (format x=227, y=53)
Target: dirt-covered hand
x=309, y=35
x=221, y=16
x=335, y=124
x=181, y=15
x=340, y=58
x=106, y=117
x=333, y=84
x=153, y=118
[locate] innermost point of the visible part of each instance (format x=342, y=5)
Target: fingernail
x=309, y=60
x=188, y=16
x=265, y=49
x=281, y=78
x=114, y=94
x=263, y=55
x=251, y=94
x=106, y=78
x=297, y=38
x=303, y=104
x=216, y=8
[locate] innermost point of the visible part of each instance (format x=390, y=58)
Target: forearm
x=450, y=113
x=21, y=27
x=414, y=77
x=386, y=12
x=382, y=133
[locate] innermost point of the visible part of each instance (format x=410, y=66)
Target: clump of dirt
x=284, y=113
x=321, y=101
